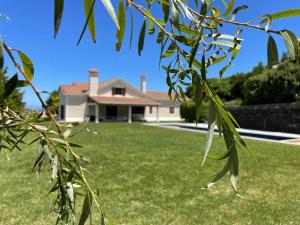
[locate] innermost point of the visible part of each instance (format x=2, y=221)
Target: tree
x=14, y=100
x=53, y=102
x=191, y=41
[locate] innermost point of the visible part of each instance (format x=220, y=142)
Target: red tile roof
x=158, y=95
x=122, y=100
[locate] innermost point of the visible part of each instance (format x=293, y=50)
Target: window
x=172, y=110
x=62, y=112
x=150, y=109
x=118, y=91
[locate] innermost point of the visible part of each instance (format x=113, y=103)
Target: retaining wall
x=271, y=117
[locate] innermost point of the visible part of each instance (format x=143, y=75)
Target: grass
x=149, y=175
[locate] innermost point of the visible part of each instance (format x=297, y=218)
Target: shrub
x=188, y=112
x=273, y=86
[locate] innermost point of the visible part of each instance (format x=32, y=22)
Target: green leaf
x=131, y=28
x=198, y=93
x=111, y=11
x=170, y=50
x=273, y=58
x=86, y=209
x=160, y=37
x=10, y=85
x=54, y=167
x=27, y=66
x=142, y=38
x=241, y=7
x=122, y=24
x=223, y=70
x=234, y=170
x=283, y=14
x=151, y=28
x=212, y=114
x=194, y=51
x=90, y=20
x=203, y=68
x=174, y=13
x=292, y=44
x=1, y=56
x=58, y=12
x=166, y=10
x=70, y=192
x=229, y=8
x=219, y=175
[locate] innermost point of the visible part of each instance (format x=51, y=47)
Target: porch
x=121, y=113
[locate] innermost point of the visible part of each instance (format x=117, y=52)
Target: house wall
x=76, y=108
x=163, y=113
x=108, y=91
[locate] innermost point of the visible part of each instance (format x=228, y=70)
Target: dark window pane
x=172, y=110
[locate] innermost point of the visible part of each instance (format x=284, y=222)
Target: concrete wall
x=163, y=112
x=76, y=108
x=271, y=117
x=108, y=91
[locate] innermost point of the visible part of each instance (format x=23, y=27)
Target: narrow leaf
x=142, y=38
x=1, y=56
x=11, y=85
x=90, y=20
x=90, y=17
x=212, y=114
x=111, y=11
x=169, y=51
x=122, y=23
x=284, y=14
x=198, y=93
x=229, y=8
x=292, y=44
x=27, y=66
x=58, y=12
x=273, y=58
x=86, y=209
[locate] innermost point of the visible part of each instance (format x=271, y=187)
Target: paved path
x=279, y=137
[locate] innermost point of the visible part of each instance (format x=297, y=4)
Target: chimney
x=143, y=84
x=93, y=82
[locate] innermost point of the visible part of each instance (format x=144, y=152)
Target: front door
x=111, y=112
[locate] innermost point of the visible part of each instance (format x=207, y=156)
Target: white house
x=114, y=100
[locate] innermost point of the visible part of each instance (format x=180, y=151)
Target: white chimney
x=93, y=82
x=143, y=84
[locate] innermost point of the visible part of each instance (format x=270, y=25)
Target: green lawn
x=149, y=175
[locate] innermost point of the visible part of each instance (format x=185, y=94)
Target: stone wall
x=271, y=117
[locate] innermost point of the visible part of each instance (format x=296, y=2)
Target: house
x=114, y=100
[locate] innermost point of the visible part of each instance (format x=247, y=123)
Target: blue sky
x=60, y=61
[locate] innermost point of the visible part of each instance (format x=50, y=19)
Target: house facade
x=114, y=100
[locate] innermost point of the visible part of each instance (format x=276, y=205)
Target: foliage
x=273, y=86
x=53, y=102
x=191, y=41
x=188, y=112
x=14, y=100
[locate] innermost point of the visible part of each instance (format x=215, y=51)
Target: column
x=129, y=114
x=97, y=114
x=157, y=114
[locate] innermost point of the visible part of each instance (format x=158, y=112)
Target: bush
x=188, y=112
x=252, y=90
x=273, y=86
